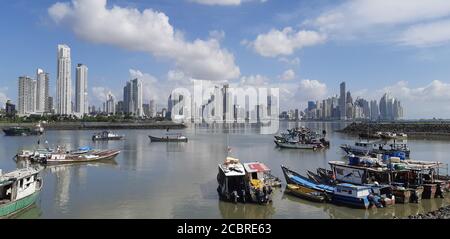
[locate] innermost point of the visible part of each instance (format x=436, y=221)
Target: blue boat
x=295, y=178
x=352, y=195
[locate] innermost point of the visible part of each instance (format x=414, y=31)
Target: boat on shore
x=24, y=131
x=352, y=195
x=169, y=138
x=19, y=190
x=106, y=135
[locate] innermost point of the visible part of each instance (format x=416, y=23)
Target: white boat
x=19, y=190
x=297, y=145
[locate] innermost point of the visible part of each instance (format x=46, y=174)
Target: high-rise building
x=50, y=107
x=146, y=108
x=81, y=90
x=390, y=108
x=152, y=108
x=64, y=82
x=26, y=95
x=10, y=108
x=42, y=89
x=374, y=110
x=343, y=102
x=110, y=104
x=133, y=98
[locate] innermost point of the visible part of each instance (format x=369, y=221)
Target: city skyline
x=414, y=73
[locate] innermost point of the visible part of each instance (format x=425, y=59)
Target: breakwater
x=413, y=129
x=441, y=213
x=101, y=125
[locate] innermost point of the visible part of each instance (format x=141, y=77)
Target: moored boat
x=305, y=193
x=352, y=195
x=19, y=190
x=169, y=138
x=24, y=131
x=106, y=135
x=297, y=145
x=87, y=157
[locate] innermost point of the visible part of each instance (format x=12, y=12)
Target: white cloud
x=100, y=93
x=287, y=75
x=254, y=80
x=3, y=97
x=285, y=42
x=385, y=20
x=294, y=62
x=148, y=31
x=218, y=2
x=429, y=34
x=223, y=2
x=311, y=90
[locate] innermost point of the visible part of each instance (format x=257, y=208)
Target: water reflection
x=246, y=211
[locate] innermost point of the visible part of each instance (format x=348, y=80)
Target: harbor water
x=178, y=180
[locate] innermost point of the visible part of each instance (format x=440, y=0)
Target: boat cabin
x=18, y=184
x=256, y=170
x=350, y=190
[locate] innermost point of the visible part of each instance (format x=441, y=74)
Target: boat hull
x=167, y=139
x=362, y=203
x=12, y=208
x=108, y=155
x=22, y=132
x=305, y=193
x=106, y=138
x=296, y=146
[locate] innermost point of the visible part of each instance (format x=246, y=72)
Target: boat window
x=21, y=183
x=255, y=175
x=340, y=171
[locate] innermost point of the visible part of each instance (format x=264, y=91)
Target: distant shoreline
x=100, y=125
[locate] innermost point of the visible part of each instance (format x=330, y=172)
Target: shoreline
x=441, y=213
x=100, y=125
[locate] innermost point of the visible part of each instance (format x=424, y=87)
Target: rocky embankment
x=101, y=125
x=441, y=213
x=419, y=129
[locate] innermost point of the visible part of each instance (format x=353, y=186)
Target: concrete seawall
x=100, y=125
x=414, y=129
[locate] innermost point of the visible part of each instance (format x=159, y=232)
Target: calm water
x=160, y=180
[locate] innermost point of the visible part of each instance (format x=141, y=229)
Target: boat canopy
x=85, y=148
x=256, y=167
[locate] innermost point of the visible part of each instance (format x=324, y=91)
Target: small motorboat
x=305, y=193
x=169, y=138
x=106, y=135
x=352, y=196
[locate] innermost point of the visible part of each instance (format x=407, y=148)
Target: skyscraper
x=110, y=105
x=42, y=86
x=26, y=95
x=343, y=102
x=81, y=101
x=64, y=82
x=133, y=98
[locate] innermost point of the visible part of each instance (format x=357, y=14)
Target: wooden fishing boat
x=169, y=138
x=305, y=193
x=416, y=194
x=19, y=190
x=258, y=182
x=429, y=191
x=297, y=179
x=88, y=157
x=402, y=195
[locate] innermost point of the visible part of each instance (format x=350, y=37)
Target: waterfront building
x=81, y=90
x=133, y=98
x=10, y=108
x=374, y=110
x=390, y=108
x=153, y=108
x=42, y=91
x=146, y=108
x=119, y=107
x=64, y=81
x=26, y=96
x=343, y=102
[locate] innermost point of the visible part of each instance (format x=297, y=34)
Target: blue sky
x=304, y=47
